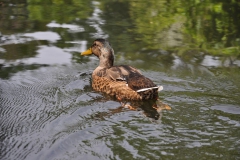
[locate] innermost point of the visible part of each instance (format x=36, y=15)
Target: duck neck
x=106, y=59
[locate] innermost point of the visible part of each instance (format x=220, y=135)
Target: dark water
x=48, y=109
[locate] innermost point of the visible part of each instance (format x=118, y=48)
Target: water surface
x=48, y=109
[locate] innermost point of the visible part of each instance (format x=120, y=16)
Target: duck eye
x=94, y=45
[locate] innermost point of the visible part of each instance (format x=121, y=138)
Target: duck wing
x=122, y=72
x=139, y=82
x=134, y=79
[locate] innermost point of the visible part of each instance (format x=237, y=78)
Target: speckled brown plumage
x=123, y=82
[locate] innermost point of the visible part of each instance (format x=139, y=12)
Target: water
x=48, y=109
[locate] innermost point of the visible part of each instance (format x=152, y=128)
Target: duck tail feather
x=145, y=89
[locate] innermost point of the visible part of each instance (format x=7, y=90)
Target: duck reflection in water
x=151, y=109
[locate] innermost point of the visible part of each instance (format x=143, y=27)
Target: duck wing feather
x=133, y=78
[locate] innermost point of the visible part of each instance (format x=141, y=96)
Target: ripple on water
x=29, y=102
x=56, y=115
x=232, y=109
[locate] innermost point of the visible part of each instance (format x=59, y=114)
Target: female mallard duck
x=124, y=82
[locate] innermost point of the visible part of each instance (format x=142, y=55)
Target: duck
x=121, y=81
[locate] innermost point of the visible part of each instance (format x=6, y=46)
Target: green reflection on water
x=61, y=11
x=209, y=26
x=190, y=29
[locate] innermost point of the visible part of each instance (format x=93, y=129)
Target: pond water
x=48, y=109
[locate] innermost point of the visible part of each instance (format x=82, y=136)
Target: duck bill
x=167, y=107
x=87, y=52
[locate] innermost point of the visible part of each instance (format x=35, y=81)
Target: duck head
x=103, y=50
